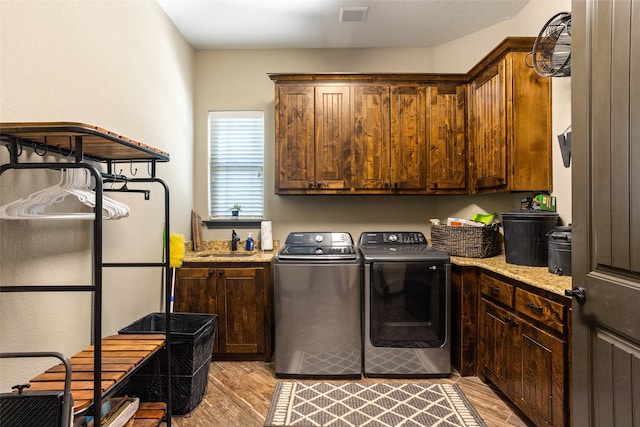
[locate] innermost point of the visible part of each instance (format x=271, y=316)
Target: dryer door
x=408, y=304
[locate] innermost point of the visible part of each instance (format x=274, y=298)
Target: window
x=236, y=163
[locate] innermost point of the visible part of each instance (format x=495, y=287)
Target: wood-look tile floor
x=239, y=393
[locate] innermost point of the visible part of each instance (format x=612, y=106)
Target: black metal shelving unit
x=82, y=145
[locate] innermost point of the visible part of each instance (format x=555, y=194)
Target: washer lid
x=318, y=246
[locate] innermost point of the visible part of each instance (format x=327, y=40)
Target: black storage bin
x=31, y=409
x=192, y=337
x=525, y=236
x=187, y=391
x=560, y=251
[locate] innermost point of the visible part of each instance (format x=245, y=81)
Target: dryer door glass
x=408, y=304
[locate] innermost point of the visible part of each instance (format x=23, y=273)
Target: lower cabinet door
x=496, y=347
x=241, y=307
x=540, y=377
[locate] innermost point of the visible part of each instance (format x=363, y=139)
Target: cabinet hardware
x=319, y=184
x=310, y=184
x=494, y=290
x=534, y=307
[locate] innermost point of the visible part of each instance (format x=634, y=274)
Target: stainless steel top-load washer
x=317, y=303
x=406, y=306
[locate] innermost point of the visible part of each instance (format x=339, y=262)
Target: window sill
x=237, y=222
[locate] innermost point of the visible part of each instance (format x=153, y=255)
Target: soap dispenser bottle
x=250, y=244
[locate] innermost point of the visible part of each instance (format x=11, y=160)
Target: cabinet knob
x=310, y=184
x=319, y=184
x=578, y=293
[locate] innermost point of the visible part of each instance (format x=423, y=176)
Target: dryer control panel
x=392, y=238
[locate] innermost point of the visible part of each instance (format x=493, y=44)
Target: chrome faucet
x=234, y=240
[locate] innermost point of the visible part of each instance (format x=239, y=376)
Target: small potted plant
x=235, y=209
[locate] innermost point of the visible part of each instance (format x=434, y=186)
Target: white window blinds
x=236, y=163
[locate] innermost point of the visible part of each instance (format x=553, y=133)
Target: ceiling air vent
x=353, y=14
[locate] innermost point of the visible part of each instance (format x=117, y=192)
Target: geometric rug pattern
x=360, y=404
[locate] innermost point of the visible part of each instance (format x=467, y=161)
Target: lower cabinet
x=240, y=294
x=523, y=349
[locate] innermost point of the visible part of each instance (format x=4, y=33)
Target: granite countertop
x=220, y=251
x=534, y=276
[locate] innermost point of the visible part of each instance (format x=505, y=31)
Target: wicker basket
x=472, y=242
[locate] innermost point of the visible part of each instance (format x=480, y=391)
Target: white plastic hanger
x=73, y=182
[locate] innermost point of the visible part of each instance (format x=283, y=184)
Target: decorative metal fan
x=551, y=55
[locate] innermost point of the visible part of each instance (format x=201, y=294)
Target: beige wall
x=237, y=80
x=120, y=65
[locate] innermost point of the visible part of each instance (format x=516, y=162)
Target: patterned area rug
x=359, y=404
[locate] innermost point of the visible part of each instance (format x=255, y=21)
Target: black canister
x=525, y=236
x=560, y=251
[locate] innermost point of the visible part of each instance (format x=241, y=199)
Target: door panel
x=408, y=138
x=371, y=137
x=606, y=211
x=333, y=138
x=295, y=127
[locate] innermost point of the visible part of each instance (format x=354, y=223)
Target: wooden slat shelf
x=97, y=143
x=121, y=354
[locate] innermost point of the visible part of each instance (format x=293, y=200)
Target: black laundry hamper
x=192, y=336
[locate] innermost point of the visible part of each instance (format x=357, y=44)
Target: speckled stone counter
x=534, y=276
x=220, y=251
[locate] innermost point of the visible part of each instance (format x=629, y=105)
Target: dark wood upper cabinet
x=408, y=138
x=371, y=137
x=447, y=139
x=486, y=130
x=294, y=106
x=509, y=125
x=333, y=138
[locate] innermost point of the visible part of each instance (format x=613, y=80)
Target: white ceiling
x=273, y=24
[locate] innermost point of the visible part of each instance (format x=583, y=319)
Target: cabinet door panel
x=333, y=138
x=540, y=378
x=408, y=138
x=241, y=305
x=371, y=137
x=295, y=135
x=530, y=150
x=447, y=153
x=496, y=347
x=194, y=292
x=490, y=128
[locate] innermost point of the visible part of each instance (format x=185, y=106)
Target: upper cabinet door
x=294, y=107
x=530, y=151
x=371, y=137
x=488, y=128
x=333, y=138
x=510, y=127
x=408, y=138
x=447, y=141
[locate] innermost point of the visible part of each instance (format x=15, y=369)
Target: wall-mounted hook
x=46, y=149
x=62, y=151
x=131, y=170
